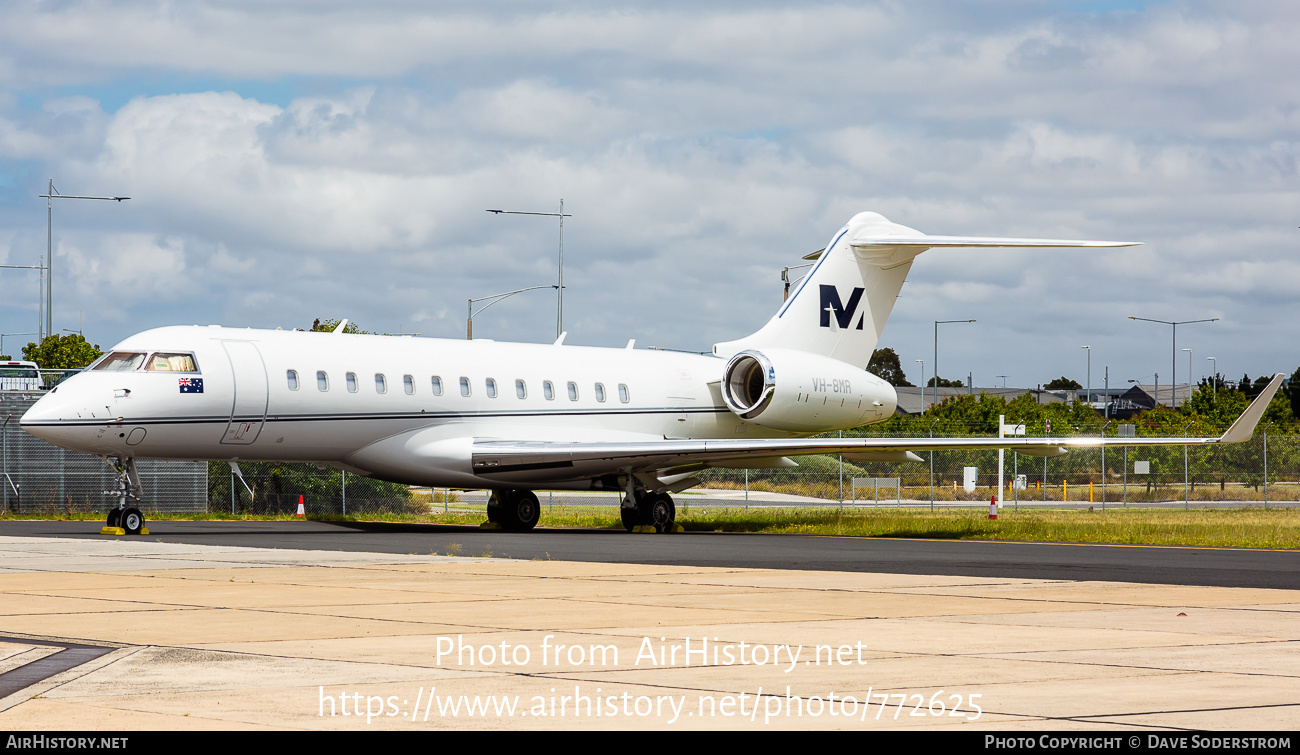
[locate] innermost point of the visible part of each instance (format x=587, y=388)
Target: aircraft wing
x=492, y=457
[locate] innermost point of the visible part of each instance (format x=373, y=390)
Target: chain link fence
x=38, y=478
x=1200, y=475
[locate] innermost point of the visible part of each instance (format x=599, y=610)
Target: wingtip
x=1244, y=428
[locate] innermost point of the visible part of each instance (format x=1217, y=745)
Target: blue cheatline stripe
x=829, y=248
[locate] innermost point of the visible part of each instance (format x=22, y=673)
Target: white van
x=19, y=376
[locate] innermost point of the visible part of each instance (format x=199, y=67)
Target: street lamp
x=559, y=300
x=1004, y=380
x=1214, y=381
x=935, y=364
x=2, y=338
x=469, y=319
x=785, y=278
x=1089, y=350
x=1173, y=354
x=49, y=198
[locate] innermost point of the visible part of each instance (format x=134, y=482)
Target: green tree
x=885, y=364
x=1292, y=390
x=1062, y=383
x=60, y=352
x=943, y=383
x=328, y=326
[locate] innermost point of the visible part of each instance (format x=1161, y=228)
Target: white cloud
x=699, y=152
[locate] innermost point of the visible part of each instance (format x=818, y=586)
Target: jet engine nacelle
x=795, y=391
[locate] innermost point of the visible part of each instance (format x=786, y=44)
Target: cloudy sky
x=293, y=160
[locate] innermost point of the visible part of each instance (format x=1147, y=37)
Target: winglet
x=1244, y=427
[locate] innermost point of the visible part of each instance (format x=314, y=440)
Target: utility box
x=1141, y=467
x=1021, y=482
x=968, y=477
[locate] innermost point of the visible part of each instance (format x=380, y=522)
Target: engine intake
x=799, y=392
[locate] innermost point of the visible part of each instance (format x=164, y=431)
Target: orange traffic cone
x=993, y=507
x=301, y=511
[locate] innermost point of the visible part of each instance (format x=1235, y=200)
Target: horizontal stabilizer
x=932, y=242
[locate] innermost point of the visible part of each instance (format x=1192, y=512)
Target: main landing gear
x=126, y=517
x=648, y=509
x=514, y=510
x=519, y=511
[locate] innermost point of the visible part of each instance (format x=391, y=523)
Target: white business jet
x=516, y=417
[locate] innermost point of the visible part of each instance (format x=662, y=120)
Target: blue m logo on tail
x=843, y=313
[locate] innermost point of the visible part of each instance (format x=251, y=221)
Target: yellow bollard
x=1065, y=491
x=1089, y=491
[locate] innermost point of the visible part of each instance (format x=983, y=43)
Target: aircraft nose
x=53, y=419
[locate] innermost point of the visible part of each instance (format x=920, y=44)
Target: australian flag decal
x=191, y=385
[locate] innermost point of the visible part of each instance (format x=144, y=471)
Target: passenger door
x=248, y=409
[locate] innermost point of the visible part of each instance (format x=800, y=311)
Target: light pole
x=1173, y=353
x=2, y=338
x=1214, y=380
x=1089, y=350
x=48, y=325
x=469, y=308
x=935, y=363
x=1103, y=464
x=922, y=363
x=559, y=299
x=785, y=279
x=1004, y=380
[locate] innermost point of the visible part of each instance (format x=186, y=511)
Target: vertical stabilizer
x=840, y=308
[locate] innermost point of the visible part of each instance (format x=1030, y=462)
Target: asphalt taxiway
x=1215, y=567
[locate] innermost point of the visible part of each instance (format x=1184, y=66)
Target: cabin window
x=573, y=391
x=322, y=381
x=548, y=390
x=437, y=385
x=623, y=394
x=352, y=382
x=164, y=362
x=521, y=390
x=408, y=384
x=464, y=386
x=292, y=377
x=381, y=383
x=600, y=392
x=121, y=361
x=491, y=388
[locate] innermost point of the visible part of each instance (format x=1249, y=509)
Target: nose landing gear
x=125, y=519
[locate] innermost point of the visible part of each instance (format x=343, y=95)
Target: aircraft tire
x=521, y=510
x=494, y=507
x=114, y=517
x=658, y=511
x=630, y=516
x=132, y=521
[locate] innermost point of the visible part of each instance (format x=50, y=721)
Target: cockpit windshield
x=164, y=362
x=161, y=361
x=121, y=361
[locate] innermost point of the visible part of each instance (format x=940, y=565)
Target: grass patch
x=1240, y=528
x=1237, y=528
